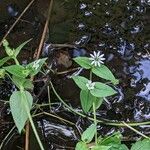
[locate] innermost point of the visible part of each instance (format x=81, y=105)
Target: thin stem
x=106, y=122
x=16, y=61
x=10, y=132
x=95, y=122
x=136, y=131
x=30, y=119
x=49, y=97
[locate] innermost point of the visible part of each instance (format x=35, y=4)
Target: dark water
x=120, y=29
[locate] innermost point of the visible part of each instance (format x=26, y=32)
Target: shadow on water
x=120, y=30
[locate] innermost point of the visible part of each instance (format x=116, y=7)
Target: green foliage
x=102, y=90
x=86, y=100
x=101, y=147
x=89, y=133
x=81, y=146
x=35, y=66
x=3, y=60
x=17, y=105
x=81, y=82
x=105, y=73
x=21, y=101
x=141, y=145
x=84, y=62
x=19, y=48
x=17, y=70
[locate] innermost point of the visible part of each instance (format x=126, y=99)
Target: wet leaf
x=17, y=106
x=18, y=49
x=81, y=146
x=81, y=82
x=141, y=145
x=104, y=73
x=89, y=133
x=102, y=90
x=86, y=100
x=83, y=62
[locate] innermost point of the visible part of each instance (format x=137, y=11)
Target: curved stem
x=95, y=122
x=31, y=120
x=107, y=122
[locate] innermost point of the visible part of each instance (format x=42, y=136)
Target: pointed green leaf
x=81, y=146
x=98, y=102
x=118, y=147
x=81, y=82
x=89, y=133
x=102, y=90
x=17, y=106
x=18, y=49
x=2, y=73
x=86, y=100
x=115, y=138
x=3, y=60
x=83, y=62
x=101, y=147
x=22, y=82
x=141, y=145
x=35, y=66
x=17, y=70
x=104, y=73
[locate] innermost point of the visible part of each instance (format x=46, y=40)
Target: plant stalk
x=31, y=121
x=95, y=122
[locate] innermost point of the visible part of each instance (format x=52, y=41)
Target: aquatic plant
x=21, y=100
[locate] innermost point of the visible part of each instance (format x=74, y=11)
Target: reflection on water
x=121, y=30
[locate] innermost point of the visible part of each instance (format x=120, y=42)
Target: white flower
x=36, y=64
x=97, y=59
x=90, y=85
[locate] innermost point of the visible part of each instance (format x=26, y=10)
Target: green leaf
x=101, y=147
x=86, y=100
x=2, y=73
x=17, y=106
x=18, y=49
x=83, y=62
x=81, y=146
x=118, y=147
x=141, y=145
x=104, y=73
x=3, y=60
x=28, y=84
x=17, y=70
x=35, y=66
x=98, y=102
x=89, y=133
x=114, y=138
x=22, y=82
x=102, y=90
x=8, y=50
x=81, y=82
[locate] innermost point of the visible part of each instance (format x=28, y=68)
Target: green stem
x=94, y=112
x=95, y=122
x=30, y=119
x=107, y=122
x=16, y=61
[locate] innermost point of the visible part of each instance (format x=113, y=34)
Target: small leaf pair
x=102, y=71
x=99, y=90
